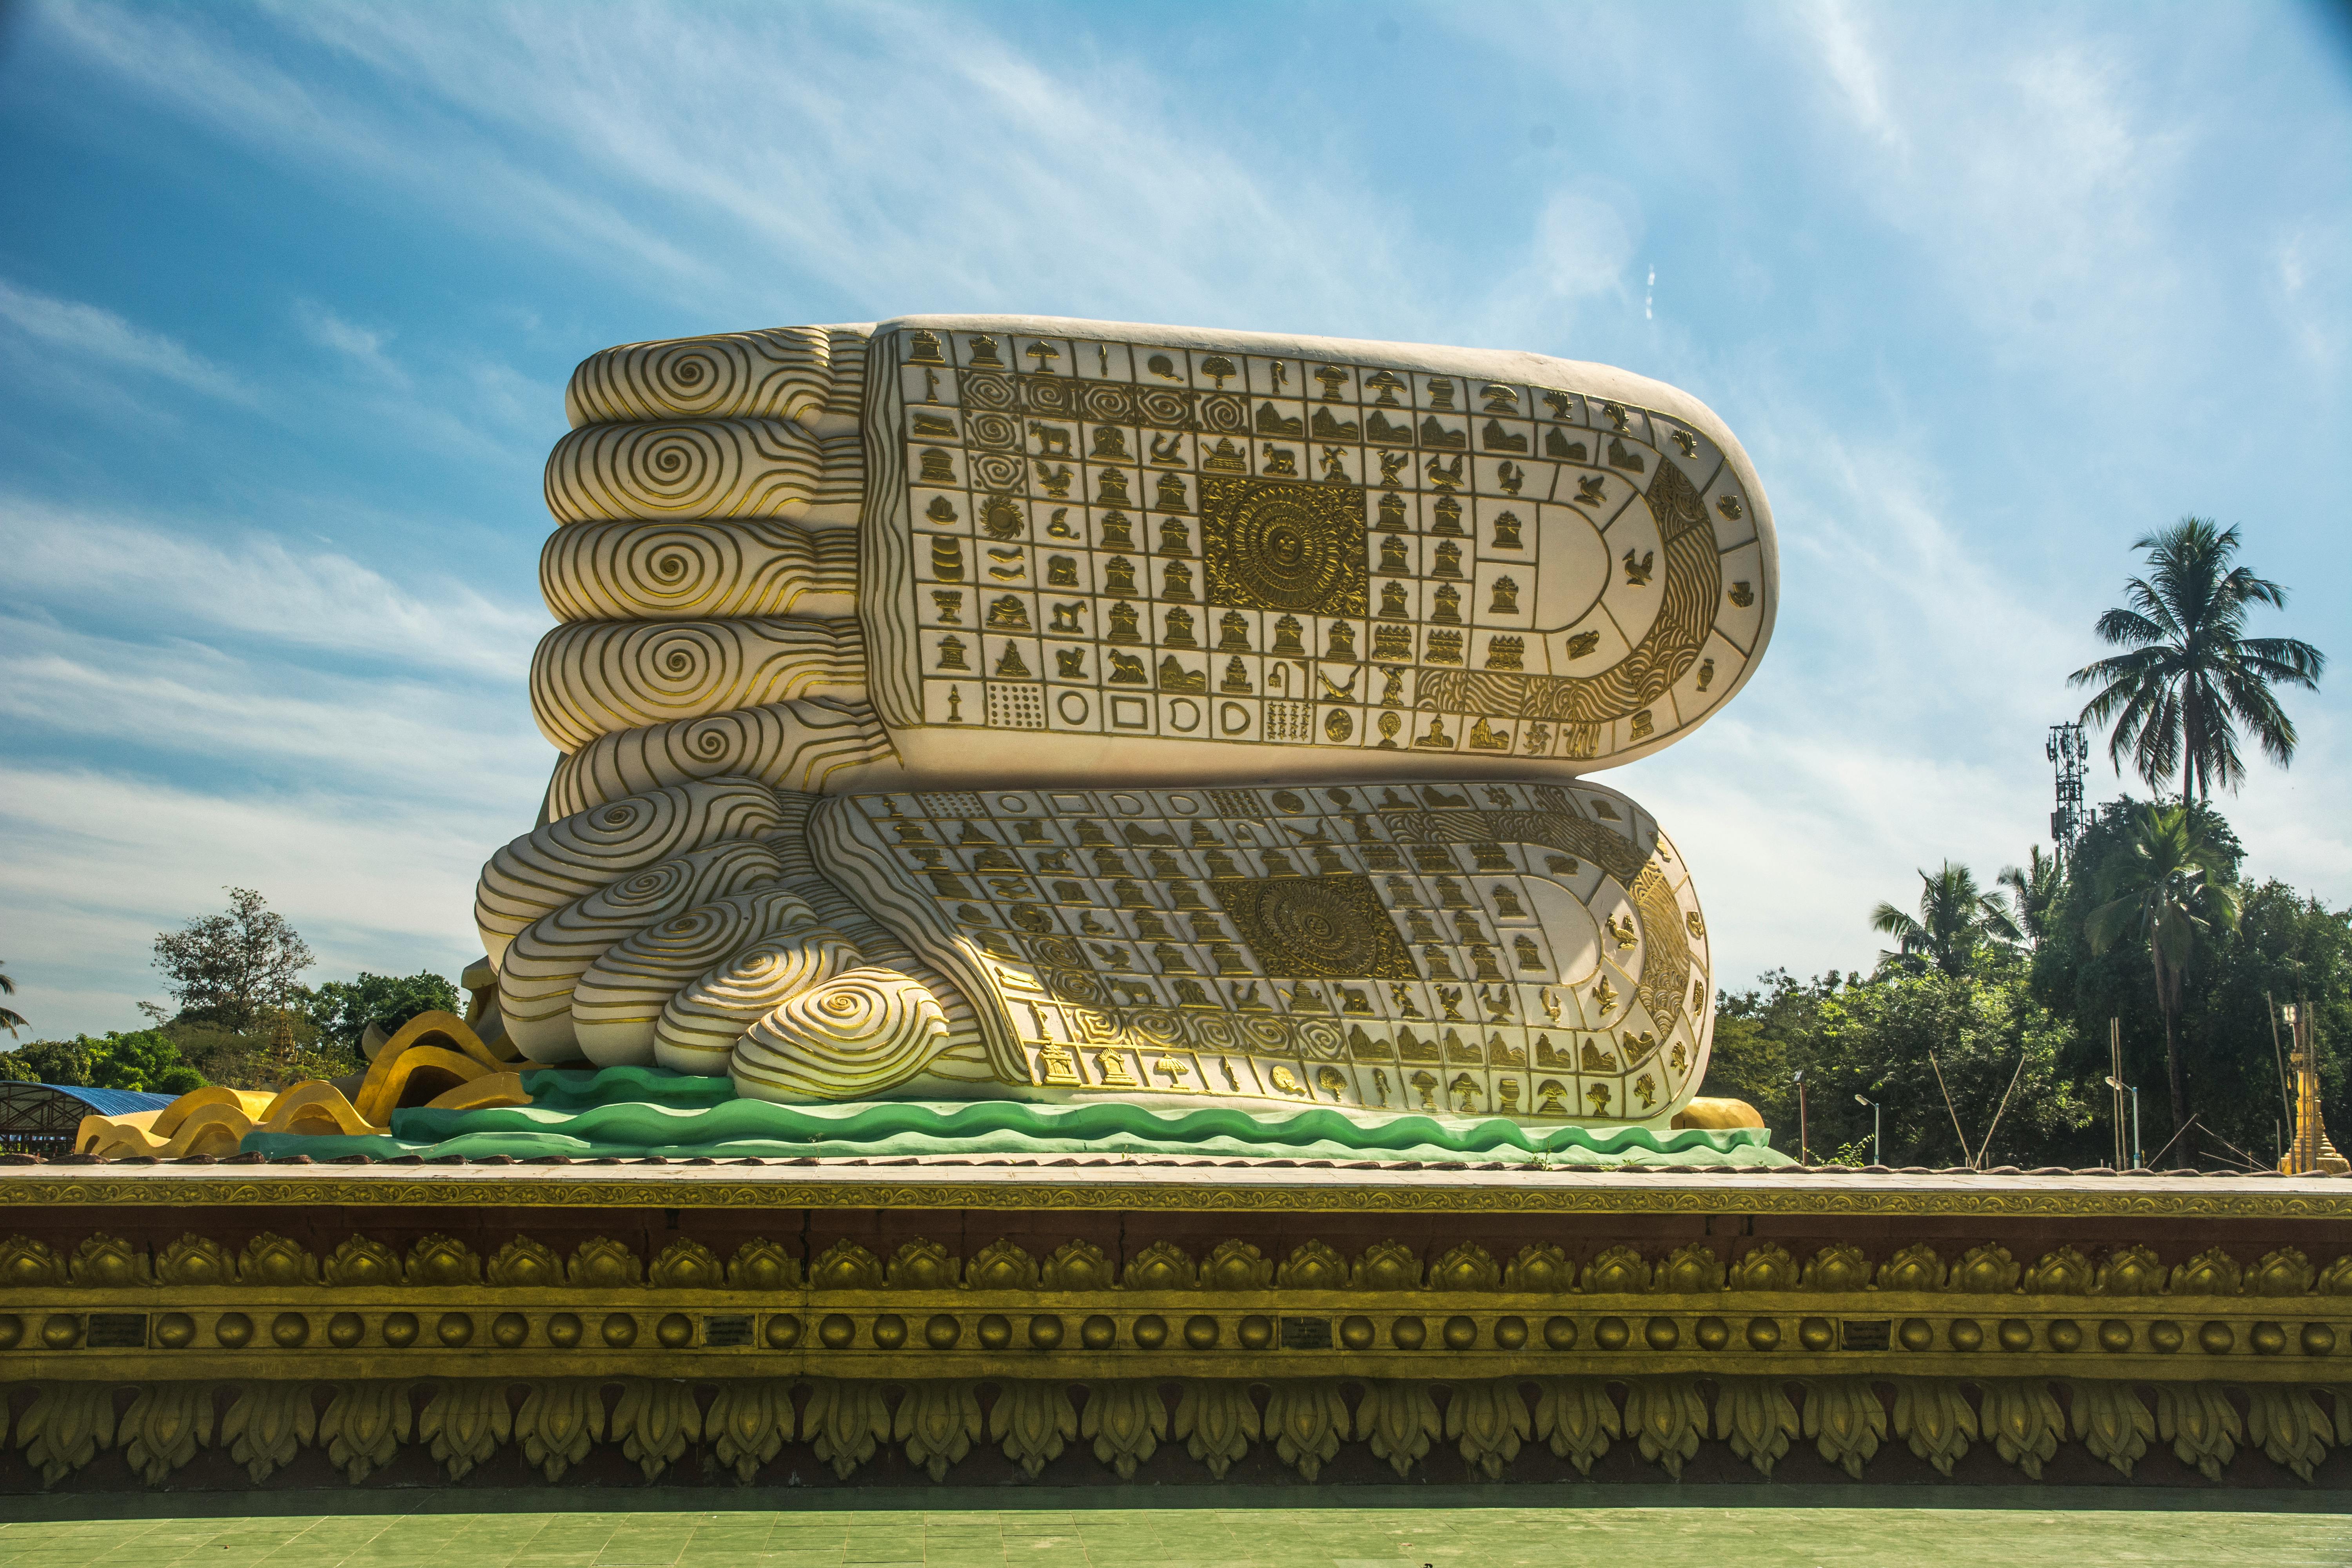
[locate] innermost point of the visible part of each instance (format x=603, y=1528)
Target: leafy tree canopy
x=2049, y=1007
x=234, y=968
x=145, y=1060
x=342, y=1010
x=2192, y=678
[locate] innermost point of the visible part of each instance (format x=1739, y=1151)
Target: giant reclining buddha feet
x=989, y=707
x=1526, y=950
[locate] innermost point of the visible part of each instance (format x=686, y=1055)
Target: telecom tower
x=2069, y=750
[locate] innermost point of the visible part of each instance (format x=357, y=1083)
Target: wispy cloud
x=88, y=333
x=258, y=587
x=1952, y=283
x=362, y=345
x=1846, y=54
x=197, y=68
x=109, y=861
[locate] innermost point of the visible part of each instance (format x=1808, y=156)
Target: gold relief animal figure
x=1637, y=571
x=1053, y=440
x=1620, y=928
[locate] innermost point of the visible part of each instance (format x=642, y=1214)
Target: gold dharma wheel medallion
x=1277, y=546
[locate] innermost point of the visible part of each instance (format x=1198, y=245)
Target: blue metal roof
x=112, y=1102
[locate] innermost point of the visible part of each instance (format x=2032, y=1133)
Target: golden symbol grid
x=1076, y=506
x=1169, y=940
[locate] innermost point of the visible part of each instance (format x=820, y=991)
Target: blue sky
x=289, y=294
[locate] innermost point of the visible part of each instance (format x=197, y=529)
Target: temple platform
x=1084, y=1319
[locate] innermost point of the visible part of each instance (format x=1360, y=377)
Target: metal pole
x=2135, y=1146
x=1877, y=1146
x=1801, y=1145
x=2115, y=1078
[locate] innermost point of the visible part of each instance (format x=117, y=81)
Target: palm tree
x=2032, y=889
x=2170, y=887
x=2178, y=698
x=10, y=1019
x=1956, y=918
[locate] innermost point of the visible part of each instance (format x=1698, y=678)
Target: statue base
x=639, y=1112
x=907, y=1319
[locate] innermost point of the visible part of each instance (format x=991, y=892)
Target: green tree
x=1906, y=1041
x=2286, y=947
x=10, y=1019
x=233, y=969
x=2034, y=887
x=1762, y=1036
x=1955, y=920
x=1965, y=1069
x=145, y=1061
x=2192, y=678
x=342, y=1010
x=2170, y=888
x=65, y=1062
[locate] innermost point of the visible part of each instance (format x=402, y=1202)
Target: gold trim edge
x=510, y=1189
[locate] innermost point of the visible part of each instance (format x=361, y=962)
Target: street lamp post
x=1877, y=1149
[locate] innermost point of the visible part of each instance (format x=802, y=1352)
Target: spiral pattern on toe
x=863, y=1032
x=676, y=571
x=585, y=850
x=701, y=1023
x=546, y=960
x=715, y=468
x=784, y=373
x=791, y=746
x=595, y=677
x=617, y=1002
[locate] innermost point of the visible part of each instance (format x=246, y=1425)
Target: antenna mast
x=2068, y=752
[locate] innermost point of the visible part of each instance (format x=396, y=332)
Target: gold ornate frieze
x=1409, y=1352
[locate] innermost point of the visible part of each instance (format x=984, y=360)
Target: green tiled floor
x=2100, y=1535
